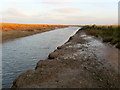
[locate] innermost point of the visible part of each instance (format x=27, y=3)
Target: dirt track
x=82, y=62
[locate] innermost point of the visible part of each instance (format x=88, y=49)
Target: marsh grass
x=109, y=33
x=15, y=30
x=12, y=34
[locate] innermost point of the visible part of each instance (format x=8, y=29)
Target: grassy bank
x=109, y=33
x=13, y=30
x=12, y=34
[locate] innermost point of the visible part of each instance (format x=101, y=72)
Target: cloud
x=67, y=10
x=58, y=19
x=17, y=12
x=99, y=4
x=56, y=2
x=75, y=12
x=12, y=12
x=72, y=1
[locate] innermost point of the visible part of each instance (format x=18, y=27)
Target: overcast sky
x=59, y=11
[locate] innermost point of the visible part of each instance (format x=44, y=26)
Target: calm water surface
x=22, y=54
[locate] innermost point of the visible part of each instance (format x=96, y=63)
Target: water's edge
x=29, y=50
x=15, y=81
x=75, y=61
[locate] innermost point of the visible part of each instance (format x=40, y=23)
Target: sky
x=59, y=11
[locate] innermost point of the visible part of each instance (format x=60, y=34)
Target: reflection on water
x=22, y=54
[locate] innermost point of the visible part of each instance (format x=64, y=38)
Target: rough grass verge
x=109, y=33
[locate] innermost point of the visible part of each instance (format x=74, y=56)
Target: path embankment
x=76, y=64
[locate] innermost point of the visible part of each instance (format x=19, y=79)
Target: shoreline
x=75, y=64
x=16, y=30
x=14, y=34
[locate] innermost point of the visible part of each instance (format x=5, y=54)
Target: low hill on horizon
x=16, y=26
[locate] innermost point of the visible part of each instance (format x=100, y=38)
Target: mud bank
x=76, y=64
x=8, y=35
